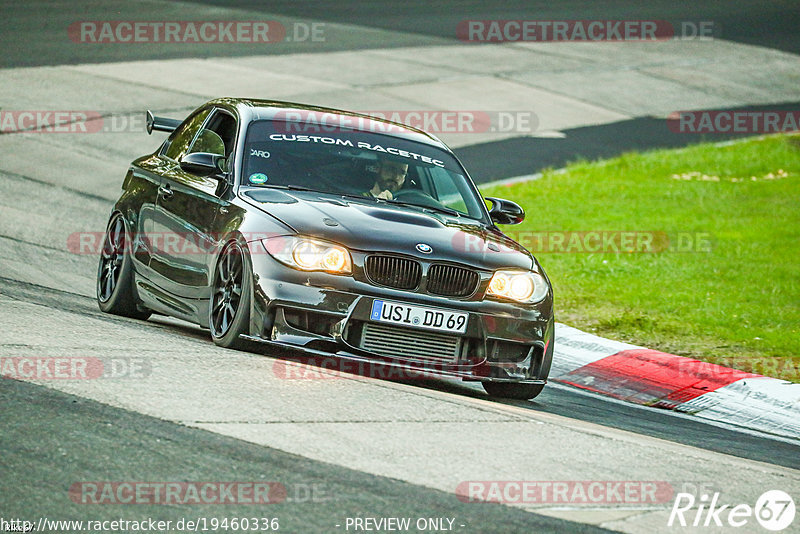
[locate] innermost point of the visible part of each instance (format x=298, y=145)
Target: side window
x=217, y=136
x=183, y=136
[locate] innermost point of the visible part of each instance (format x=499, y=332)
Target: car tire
x=510, y=390
x=229, y=306
x=115, y=287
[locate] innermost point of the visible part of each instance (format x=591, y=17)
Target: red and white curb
x=653, y=378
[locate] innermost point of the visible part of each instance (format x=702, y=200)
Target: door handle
x=165, y=191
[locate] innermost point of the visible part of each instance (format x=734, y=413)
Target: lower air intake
x=412, y=343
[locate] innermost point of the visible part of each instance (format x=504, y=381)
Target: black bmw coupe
x=332, y=233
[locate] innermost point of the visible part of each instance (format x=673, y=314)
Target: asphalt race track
x=179, y=409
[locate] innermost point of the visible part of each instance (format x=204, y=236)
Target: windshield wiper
x=360, y=197
x=442, y=209
x=290, y=187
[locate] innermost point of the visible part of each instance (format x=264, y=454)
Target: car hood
x=379, y=227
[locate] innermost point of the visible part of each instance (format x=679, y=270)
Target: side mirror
x=204, y=163
x=505, y=212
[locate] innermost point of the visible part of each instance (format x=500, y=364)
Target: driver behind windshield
x=390, y=178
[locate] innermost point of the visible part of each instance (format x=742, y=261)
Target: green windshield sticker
x=258, y=178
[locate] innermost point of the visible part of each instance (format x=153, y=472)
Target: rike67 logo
x=774, y=510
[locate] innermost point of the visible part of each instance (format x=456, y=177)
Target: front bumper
x=328, y=315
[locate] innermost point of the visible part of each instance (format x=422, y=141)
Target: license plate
x=419, y=316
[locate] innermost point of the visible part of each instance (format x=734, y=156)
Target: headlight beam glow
x=520, y=286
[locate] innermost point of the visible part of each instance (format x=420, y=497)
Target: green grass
x=735, y=301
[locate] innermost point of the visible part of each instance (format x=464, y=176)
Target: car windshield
x=358, y=164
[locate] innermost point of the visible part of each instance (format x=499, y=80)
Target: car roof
x=251, y=109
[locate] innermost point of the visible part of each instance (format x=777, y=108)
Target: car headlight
x=309, y=254
x=520, y=286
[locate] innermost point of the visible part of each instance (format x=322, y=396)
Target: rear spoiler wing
x=160, y=124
